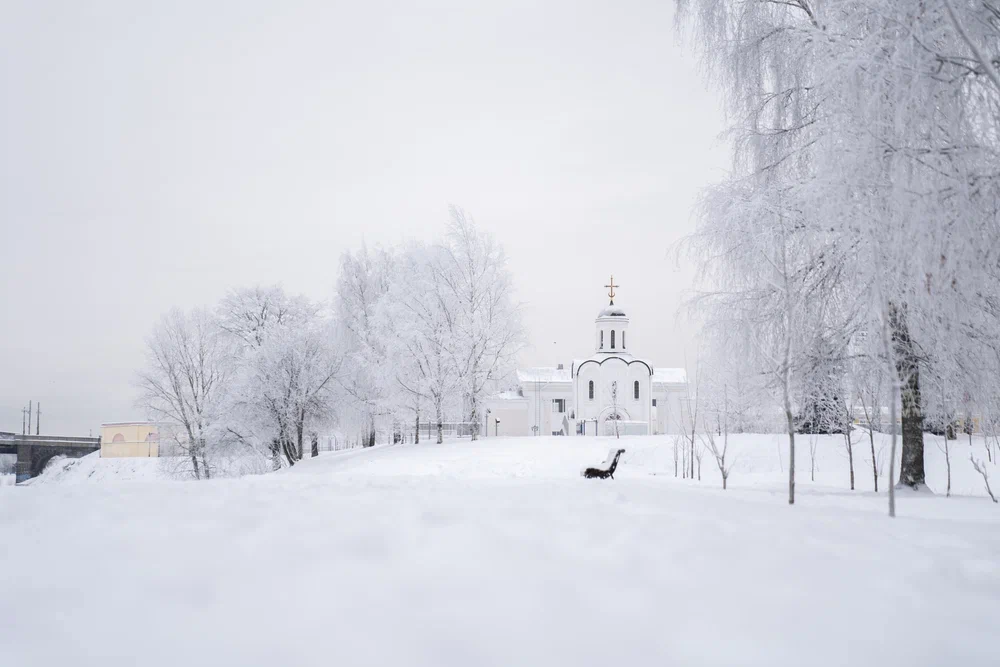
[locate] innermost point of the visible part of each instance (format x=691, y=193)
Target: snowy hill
x=498, y=552
x=92, y=468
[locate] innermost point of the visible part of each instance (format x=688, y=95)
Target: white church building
x=611, y=389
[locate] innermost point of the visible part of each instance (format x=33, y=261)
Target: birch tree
x=871, y=128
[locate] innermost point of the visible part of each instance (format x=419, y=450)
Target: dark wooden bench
x=607, y=469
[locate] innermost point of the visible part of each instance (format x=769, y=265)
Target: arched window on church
x=623, y=340
x=635, y=390
x=591, y=389
x=612, y=339
x=602, y=339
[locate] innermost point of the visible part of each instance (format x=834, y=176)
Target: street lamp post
x=496, y=427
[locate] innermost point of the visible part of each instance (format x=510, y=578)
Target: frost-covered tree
x=486, y=332
x=285, y=364
x=866, y=390
x=422, y=313
x=368, y=379
x=250, y=314
x=865, y=136
x=183, y=380
x=291, y=380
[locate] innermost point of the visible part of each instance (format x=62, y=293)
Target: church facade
x=612, y=390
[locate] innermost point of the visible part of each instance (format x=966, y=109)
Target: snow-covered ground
x=92, y=468
x=499, y=553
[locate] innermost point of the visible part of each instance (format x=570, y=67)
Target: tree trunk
x=790, y=421
x=416, y=429
x=315, y=445
x=850, y=455
x=947, y=462
x=871, y=439
x=791, y=451
x=288, y=447
x=276, y=454
x=888, y=348
x=204, y=462
x=911, y=469
x=439, y=416
x=691, y=454
x=299, y=451
x=193, y=449
x=474, y=403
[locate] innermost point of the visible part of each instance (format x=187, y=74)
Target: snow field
x=496, y=553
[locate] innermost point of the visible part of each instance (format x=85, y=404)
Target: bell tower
x=611, y=326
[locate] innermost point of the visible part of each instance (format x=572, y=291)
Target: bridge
x=34, y=451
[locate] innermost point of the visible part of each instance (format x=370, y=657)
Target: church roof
x=550, y=374
x=543, y=374
x=509, y=395
x=612, y=311
x=670, y=375
x=608, y=355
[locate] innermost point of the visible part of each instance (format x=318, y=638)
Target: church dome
x=612, y=311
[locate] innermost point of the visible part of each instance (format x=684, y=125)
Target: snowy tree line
x=421, y=331
x=850, y=259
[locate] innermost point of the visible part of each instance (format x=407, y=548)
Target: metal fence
x=428, y=430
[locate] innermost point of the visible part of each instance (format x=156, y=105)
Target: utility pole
x=38, y=417
x=24, y=417
x=29, y=417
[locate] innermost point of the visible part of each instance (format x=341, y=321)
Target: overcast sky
x=158, y=154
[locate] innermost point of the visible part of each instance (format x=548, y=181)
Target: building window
x=559, y=405
x=623, y=340
x=654, y=402
x=612, y=339
x=602, y=339
x=635, y=390
x=118, y=438
x=591, y=390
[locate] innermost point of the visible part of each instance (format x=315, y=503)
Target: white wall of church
x=604, y=375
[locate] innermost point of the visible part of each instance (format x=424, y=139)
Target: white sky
x=158, y=155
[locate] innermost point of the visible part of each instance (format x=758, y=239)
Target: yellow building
x=124, y=439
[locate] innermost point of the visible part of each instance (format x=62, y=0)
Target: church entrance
x=611, y=418
x=612, y=422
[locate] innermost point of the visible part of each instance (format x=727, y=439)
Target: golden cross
x=611, y=288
